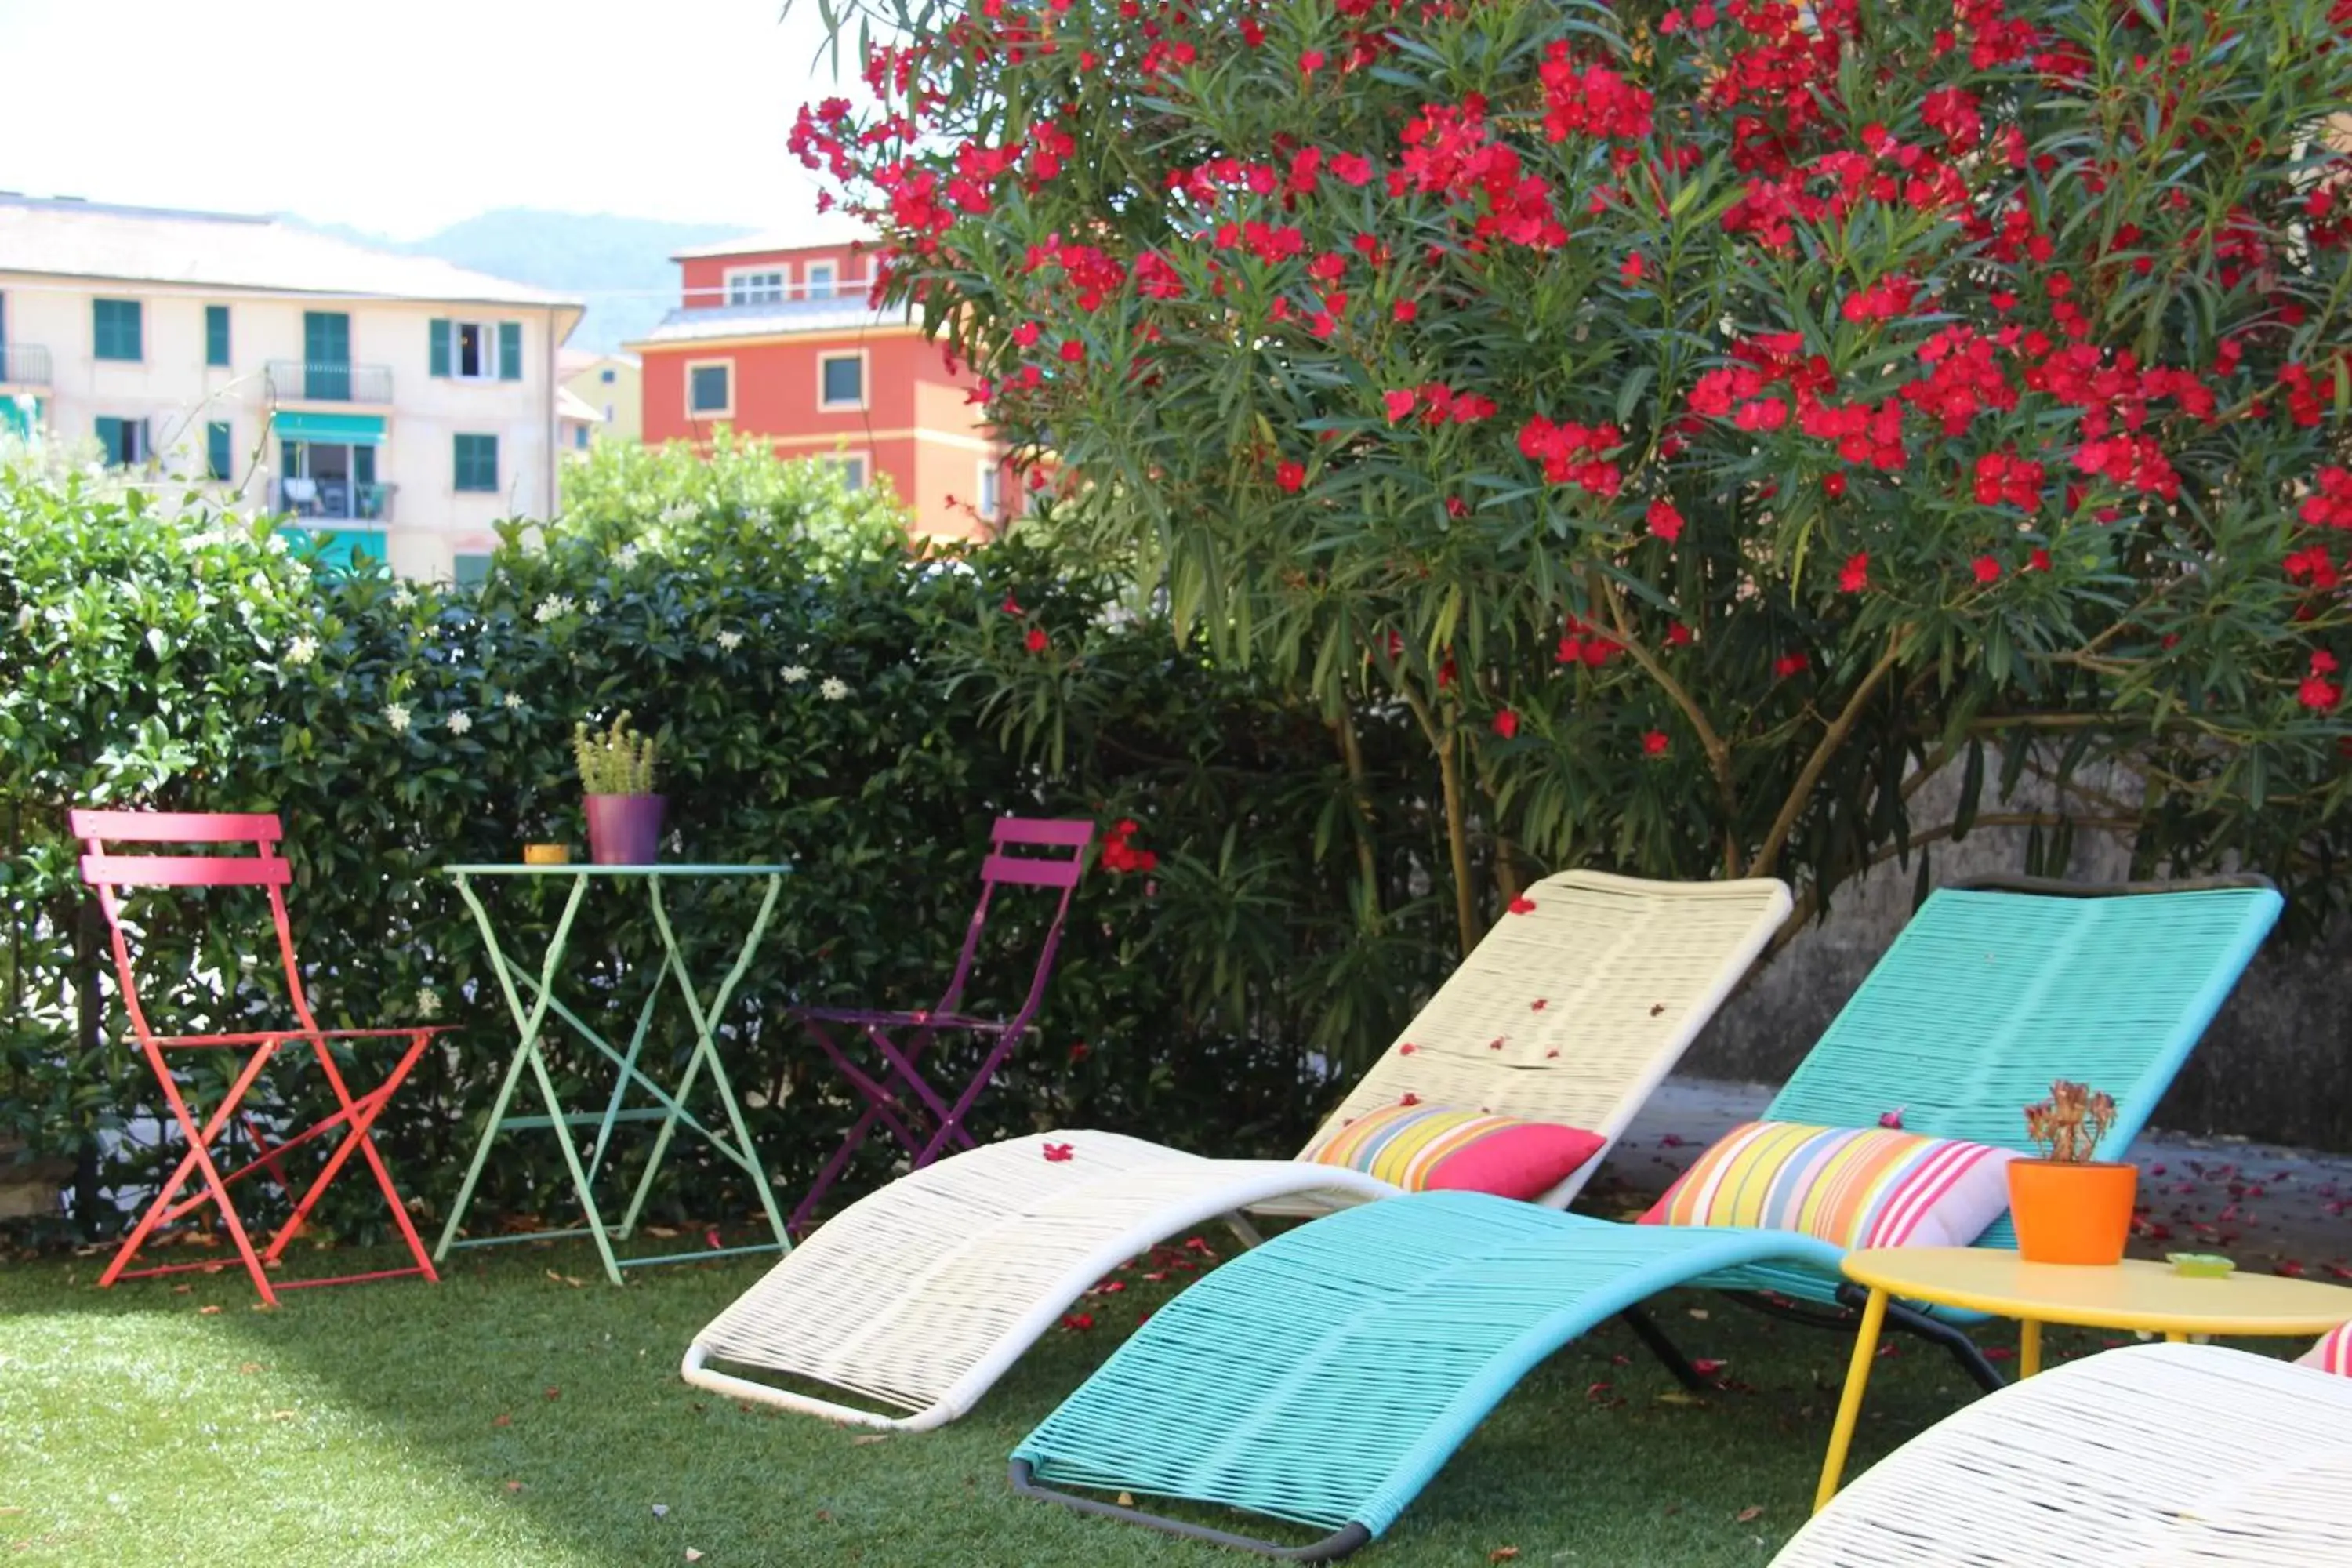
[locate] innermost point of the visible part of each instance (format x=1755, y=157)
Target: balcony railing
x=335, y=500
x=24, y=365
x=297, y=381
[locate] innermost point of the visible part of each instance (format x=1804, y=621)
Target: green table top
x=589, y=868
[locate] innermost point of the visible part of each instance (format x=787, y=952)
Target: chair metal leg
x=1654, y=1339
x=1912, y=1322
x=1331, y=1548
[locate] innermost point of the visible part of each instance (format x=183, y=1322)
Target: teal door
x=327, y=355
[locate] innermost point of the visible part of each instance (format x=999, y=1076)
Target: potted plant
x=616, y=772
x=2071, y=1208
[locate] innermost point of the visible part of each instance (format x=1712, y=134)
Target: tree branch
x=1718, y=755
x=1768, y=855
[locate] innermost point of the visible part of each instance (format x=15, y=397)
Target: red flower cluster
x=2331, y=507
x=1586, y=646
x=1594, y=101
x=1119, y=853
x=1506, y=724
x=1438, y=402
x=2317, y=692
x=1290, y=474
x=1573, y=454
x=1451, y=153
x=1665, y=520
x=2006, y=478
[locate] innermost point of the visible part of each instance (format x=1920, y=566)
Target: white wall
x=178, y=394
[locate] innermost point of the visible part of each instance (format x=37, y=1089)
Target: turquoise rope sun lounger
x=1324, y=1377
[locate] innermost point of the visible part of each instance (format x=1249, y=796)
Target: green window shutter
x=110, y=435
x=115, y=330
x=476, y=460
x=220, y=461
x=440, y=347
x=216, y=334
x=509, y=351
x=472, y=571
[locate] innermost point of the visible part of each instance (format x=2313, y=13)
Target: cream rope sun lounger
x=918, y=1297
x=2158, y=1454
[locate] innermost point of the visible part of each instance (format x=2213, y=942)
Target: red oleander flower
x=1664, y=521
x=1404, y=311
x=1028, y=333
x=1078, y=1322
x=1058, y=1153
x=1310, y=62
x=1290, y=474
x=1506, y=724
x=1654, y=743
x=1856, y=576
x=1037, y=641
x=1523, y=905
x=1789, y=664
x=1073, y=352
x=1013, y=607
x=2039, y=561
x=1399, y=403
x=1987, y=570
x=1833, y=486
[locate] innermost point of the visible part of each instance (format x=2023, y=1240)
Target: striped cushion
x=1869, y=1187
x=1424, y=1148
x=2332, y=1354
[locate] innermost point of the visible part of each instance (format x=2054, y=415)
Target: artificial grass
x=511, y=1415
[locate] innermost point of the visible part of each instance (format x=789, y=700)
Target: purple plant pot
x=625, y=829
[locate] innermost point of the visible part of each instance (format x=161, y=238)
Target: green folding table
x=732, y=1141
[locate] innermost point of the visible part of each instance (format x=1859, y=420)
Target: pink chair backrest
x=1065, y=842
x=110, y=873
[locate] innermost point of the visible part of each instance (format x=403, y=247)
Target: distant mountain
x=620, y=266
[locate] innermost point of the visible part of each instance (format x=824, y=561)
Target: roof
x=572, y=361
x=820, y=231
x=570, y=404
x=158, y=244
x=836, y=315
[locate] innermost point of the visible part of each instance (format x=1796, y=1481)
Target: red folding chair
x=904, y=1106
x=111, y=873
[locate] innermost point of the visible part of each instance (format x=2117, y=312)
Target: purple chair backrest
x=1064, y=844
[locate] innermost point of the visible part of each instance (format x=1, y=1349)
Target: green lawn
x=511, y=1416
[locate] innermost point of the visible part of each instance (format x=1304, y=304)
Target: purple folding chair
x=1058, y=861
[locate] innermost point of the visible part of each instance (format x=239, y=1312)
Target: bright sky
x=401, y=116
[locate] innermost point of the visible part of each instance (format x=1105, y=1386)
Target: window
x=710, y=389
x=216, y=334
x=125, y=440
x=116, y=328
x=478, y=351
x=755, y=284
x=853, y=469
x=992, y=496
x=220, y=459
x=606, y=377
x=580, y=436
x=841, y=381
x=472, y=571
x=478, y=462
x=820, y=281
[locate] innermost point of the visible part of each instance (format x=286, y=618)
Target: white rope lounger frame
x=2162, y=1454
x=918, y=1295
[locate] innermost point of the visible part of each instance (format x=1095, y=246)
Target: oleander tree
x=1712, y=424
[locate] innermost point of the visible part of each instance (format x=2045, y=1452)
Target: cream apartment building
x=391, y=406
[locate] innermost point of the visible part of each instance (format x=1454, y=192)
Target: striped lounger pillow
x=1855, y=1188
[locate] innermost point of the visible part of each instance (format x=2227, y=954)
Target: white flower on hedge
x=395, y=714
x=276, y=544
x=301, y=651
x=512, y=700
x=428, y=1001
x=795, y=674
x=554, y=607
x=625, y=557
x=26, y=617
x=460, y=721
x=833, y=690
x=676, y=513
x=403, y=599
x=729, y=641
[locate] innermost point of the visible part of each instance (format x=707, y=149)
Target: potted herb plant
x=616, y=772
x=2071, y=1206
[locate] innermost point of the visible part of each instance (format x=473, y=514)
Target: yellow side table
x=2147, y=1298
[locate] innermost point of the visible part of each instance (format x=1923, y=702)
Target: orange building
x=773, y=339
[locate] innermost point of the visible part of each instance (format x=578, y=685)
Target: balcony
x=24, y=365
x=335, y=500
x=298, y=381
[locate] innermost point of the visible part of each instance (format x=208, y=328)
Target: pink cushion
x=2332, y=1354
x=1431, y=1148
x=1849, y=1187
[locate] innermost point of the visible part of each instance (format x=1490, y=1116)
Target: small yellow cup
x=547, y=854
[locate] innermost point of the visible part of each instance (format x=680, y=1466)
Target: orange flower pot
x=2068, y=1213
